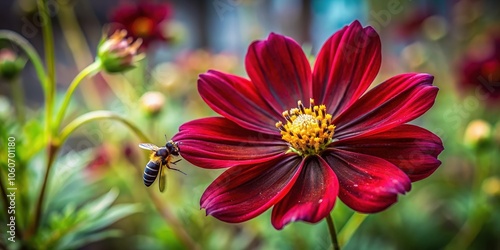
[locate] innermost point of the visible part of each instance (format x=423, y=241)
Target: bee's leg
x=175, y=169
x=176, y=161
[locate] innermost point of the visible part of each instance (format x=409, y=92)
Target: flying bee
x=160, y=157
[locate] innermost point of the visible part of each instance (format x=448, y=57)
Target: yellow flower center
x=142, y=27
x=307, y=130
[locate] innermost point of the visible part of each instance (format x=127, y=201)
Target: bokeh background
x=96, y=198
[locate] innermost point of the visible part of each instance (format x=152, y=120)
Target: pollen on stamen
x=307, y=130
x=301, y=107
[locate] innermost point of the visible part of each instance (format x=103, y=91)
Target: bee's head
x=172, y=147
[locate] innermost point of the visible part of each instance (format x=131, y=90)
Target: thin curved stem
x=82, y=56
x=98, y=115
x=52, y=150
x=164, y=211
x=33, y=56
x=18, y=96
x=350, y=227
x=333, y=233
x=48, y=42
x=175, y=224
x=49, y=88
x=89, y=70
x=478, y=213
x=55, y=145
x=3, y=195
x=469, y=230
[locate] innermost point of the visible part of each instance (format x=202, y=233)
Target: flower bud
x=491, y=186
x=477, y=134
x=10, y=64
x=152, y=102
x=118, y=53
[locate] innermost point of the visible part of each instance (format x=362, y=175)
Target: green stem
x=30, y=52
x=48, y=42
x=52, y=150
x=175, y=224
x=333, y=233
x=478, y=213
x=18, y=96
x=6, y=201
x=49, y=88
x=76, y=41
x=469, y=230
x=99, y=115
x=89, y=70
x=54, y=147
x=164, y=211
x=350, y=227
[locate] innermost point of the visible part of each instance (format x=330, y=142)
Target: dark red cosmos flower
x=143, y=20
x=411, y=24
x=299, y=160
x=481, y=74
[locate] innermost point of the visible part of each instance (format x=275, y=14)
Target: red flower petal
x=126, y=15
x=346, y=65
x=398, y=100
x=280, y=71
x=368, y=184
x=242, y=193
x=311, y=198
x=411, y=148
x=237, y=99
x=217, y=142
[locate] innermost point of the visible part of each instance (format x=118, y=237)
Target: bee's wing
x=162, y=178
x=149, y=146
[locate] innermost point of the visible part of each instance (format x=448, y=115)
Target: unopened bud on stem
x=119, y=53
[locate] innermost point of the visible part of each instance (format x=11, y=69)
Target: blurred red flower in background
x=143, y=20
x=299, y=160
x=100, y=161
x=480, y=69
x=411, y=23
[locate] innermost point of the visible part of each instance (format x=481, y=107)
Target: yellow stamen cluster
x=142, y=26
x=124, y=45
x=119, y=53
x=307, y=130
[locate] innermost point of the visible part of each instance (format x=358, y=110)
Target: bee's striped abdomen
x=150, y=173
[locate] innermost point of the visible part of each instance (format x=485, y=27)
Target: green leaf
x=75, y=243
x=33, y=140
x=99, y=205
x=68, y=184
x=71, y=227
x=112, y=215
